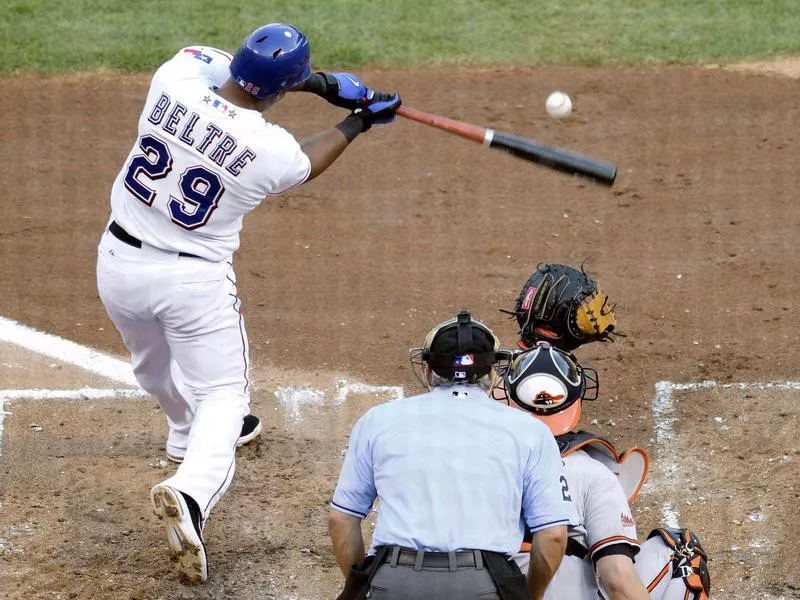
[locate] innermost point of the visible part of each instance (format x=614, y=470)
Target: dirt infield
x=748, y=462
x=697, y=243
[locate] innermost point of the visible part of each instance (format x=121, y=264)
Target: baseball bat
x=559, y=159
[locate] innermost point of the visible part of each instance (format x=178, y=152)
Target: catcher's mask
x=550, y=383
x=459, y=350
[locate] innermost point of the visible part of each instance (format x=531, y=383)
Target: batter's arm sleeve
x=543, y=502
x=281, y=148
x=355, y=492
x=610, y=528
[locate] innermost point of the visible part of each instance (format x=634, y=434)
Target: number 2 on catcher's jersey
x=565, y=489
x=200, y=188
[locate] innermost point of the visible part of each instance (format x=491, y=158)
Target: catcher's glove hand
x=563, y=306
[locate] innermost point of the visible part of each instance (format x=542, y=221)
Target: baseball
x=558, y=105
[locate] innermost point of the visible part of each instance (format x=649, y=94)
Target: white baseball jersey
x=200, y=164
x=605, y=519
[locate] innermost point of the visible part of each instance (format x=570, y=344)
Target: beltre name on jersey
x=199, y=163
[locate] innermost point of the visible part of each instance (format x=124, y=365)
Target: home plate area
x=81, y=449
x=79, y=457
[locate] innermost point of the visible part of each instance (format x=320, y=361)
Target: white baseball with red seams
x=558, y=105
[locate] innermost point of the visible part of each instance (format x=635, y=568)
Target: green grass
x=50, y=36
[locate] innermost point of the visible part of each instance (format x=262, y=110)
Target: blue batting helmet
x=272, y=59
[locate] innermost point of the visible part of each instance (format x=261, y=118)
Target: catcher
x=558, y=310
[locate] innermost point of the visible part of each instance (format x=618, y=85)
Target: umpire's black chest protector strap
x=464, y=332
x=509, y=580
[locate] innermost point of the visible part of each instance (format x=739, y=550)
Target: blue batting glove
x=379, y=110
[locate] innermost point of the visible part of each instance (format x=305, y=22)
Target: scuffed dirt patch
x=784, y=67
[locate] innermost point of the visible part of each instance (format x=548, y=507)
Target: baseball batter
x=203, y=158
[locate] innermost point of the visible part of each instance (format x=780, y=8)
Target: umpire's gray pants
x=403, y=582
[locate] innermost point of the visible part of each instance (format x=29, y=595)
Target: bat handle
x=474, y=133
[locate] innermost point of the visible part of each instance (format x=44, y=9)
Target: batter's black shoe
x=184, y=523
x=251, y=428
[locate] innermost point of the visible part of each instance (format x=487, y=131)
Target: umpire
x=459, y=476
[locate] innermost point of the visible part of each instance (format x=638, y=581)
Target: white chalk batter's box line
x=664, y=418
x=66, y=351
x=293, y=399
x=58, y=348
x=74, y=394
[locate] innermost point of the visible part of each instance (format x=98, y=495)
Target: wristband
x=351, y=127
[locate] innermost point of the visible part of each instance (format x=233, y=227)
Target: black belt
x=433, y=560
x=123, y=236
x=574, y=548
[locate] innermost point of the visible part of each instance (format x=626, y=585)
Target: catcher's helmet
x=550, y=383
x=274, y=58
x=459, y=350
x=563, y=306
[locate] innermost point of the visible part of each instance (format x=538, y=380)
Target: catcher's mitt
x=563, y=306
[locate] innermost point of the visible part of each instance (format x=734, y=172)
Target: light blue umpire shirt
x=454, y=470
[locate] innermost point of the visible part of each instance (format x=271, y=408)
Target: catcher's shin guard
x=686, y=560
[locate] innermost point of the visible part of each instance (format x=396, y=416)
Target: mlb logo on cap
x=465, y=360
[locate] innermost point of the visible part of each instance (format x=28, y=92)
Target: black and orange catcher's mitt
x=563, y=306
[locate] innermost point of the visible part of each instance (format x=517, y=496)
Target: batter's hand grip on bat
x=559, y=159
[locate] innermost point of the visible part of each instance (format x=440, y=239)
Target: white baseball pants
x=180, y=319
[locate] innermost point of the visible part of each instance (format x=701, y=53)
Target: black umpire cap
x=461, y=349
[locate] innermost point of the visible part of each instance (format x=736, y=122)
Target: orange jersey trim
x=609, y=540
